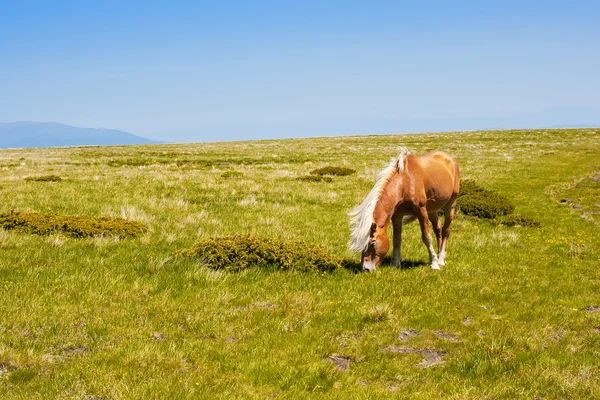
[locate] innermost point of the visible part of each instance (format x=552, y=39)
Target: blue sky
x=197, y=71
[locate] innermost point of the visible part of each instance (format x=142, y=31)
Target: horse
x=410, y=187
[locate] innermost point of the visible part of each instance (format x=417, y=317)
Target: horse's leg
x=437, y=228
x=396, y=255
x=448, y=216
x=426, y=236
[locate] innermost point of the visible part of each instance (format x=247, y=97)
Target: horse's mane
x=362, y=215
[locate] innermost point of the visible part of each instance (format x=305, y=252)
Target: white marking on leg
x=442, y=258
x=433, y=259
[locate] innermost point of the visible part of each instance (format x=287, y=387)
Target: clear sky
x=194, y=71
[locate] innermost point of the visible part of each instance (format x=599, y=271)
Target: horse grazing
x=411, y=187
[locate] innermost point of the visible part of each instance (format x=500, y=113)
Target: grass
x=512, y=315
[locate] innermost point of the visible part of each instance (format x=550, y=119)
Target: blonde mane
x=362, y=215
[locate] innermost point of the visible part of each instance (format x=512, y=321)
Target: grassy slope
x=106, y=319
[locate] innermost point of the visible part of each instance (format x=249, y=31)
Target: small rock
x=342, y=363
x=591, y=309
x=447, y=336
x=431, y=357
x=158, y=336
x=407, y=334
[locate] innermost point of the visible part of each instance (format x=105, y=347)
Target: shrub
x=469, y=187
x=519, y=220
x=231, y=174
x=74, y=226
x=314, y=178
x=239, y=252
x=483, y=203
x=45, y=178
x=336, y=171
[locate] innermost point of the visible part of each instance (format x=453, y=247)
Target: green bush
x=469, y=187
x=45, y=178
x=314, y=178
x=239, y=252
x=519, y=220
x=74, y=226
x=479, y=202
x=231, y=174
x=336, y=171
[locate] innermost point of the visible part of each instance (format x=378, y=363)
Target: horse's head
x=377, y=248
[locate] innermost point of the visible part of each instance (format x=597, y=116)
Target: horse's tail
x=408, y=219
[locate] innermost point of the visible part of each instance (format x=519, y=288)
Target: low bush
x=469, y=187
x=315, y=178
x=231, y=174
x=479, y=202
x=519, y=220
x=239, y=252
x=74, y=226
x=45, y=178
x=336, y=171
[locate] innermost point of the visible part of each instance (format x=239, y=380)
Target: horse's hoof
x=442, y=263
x=435, y=266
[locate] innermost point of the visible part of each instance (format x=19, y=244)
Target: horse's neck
x=388, y=200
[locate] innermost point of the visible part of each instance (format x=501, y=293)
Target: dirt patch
x=6, y=368
x=404, y=335
x=449, y=337
x=94, y=397
x=342, y=363
x=467, y=320
x=74, y=350
x=431, y=357
x=265, y=305
x=158, y=336
x=591, y=309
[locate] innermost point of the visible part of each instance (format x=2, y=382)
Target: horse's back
x=440, y=175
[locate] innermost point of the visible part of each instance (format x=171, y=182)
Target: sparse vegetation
x=514, y=314
x=239, y=252
x=74, y=226
x=333, y=171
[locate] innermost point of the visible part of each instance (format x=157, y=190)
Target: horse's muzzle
x=368, y=267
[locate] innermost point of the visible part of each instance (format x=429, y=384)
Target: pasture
x=514, y=314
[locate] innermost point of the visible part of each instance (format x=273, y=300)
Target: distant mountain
x=52, y=134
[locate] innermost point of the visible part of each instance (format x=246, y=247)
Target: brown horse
x=412, y=186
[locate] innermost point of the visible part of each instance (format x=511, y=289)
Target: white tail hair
x=362, y=215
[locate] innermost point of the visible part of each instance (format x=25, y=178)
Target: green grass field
x=514, y=314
